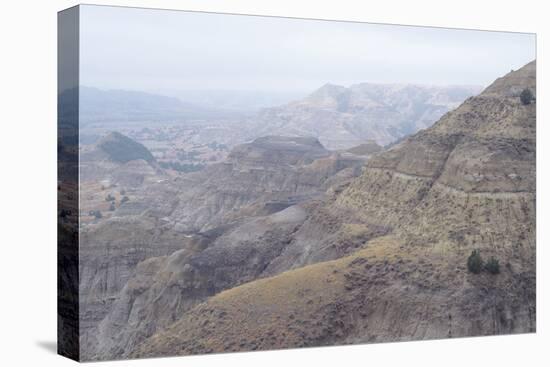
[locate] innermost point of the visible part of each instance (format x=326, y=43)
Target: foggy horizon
x=169, y=51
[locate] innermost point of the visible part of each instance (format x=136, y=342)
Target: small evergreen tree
x=526, y=96
x=112, y=207
x=124, y=199
x=492, y=266
x=475, y=262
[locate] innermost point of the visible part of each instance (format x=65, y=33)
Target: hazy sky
x=143, y=49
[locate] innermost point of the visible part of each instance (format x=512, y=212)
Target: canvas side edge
x=68, y=315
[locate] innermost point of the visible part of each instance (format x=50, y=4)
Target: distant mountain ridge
x=243, y=101
x=339, y=117
x=117, y=105
x=343, y=117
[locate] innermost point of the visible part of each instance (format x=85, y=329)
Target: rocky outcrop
x=368, y=148
x=268, y=173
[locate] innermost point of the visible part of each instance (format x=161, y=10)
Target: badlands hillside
x=219, y=218
x=287, y=243
x=383, y=258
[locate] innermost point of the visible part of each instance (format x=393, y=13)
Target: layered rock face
x=196, y=235
x=342, y=118
x=260, y=177
x=163, y=288
x=384, y=257
x=109, y=253
x=475, y=168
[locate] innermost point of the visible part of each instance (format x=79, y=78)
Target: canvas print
x=233, y=183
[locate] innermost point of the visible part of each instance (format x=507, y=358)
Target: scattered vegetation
x=110, y=198
x=526, y=96
x=475, y=262
x=217, y=146
x=112, y=207
x=492, y=266
x=177, y=166
x=124, y=199
x=96, y=213
x=187, y=156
